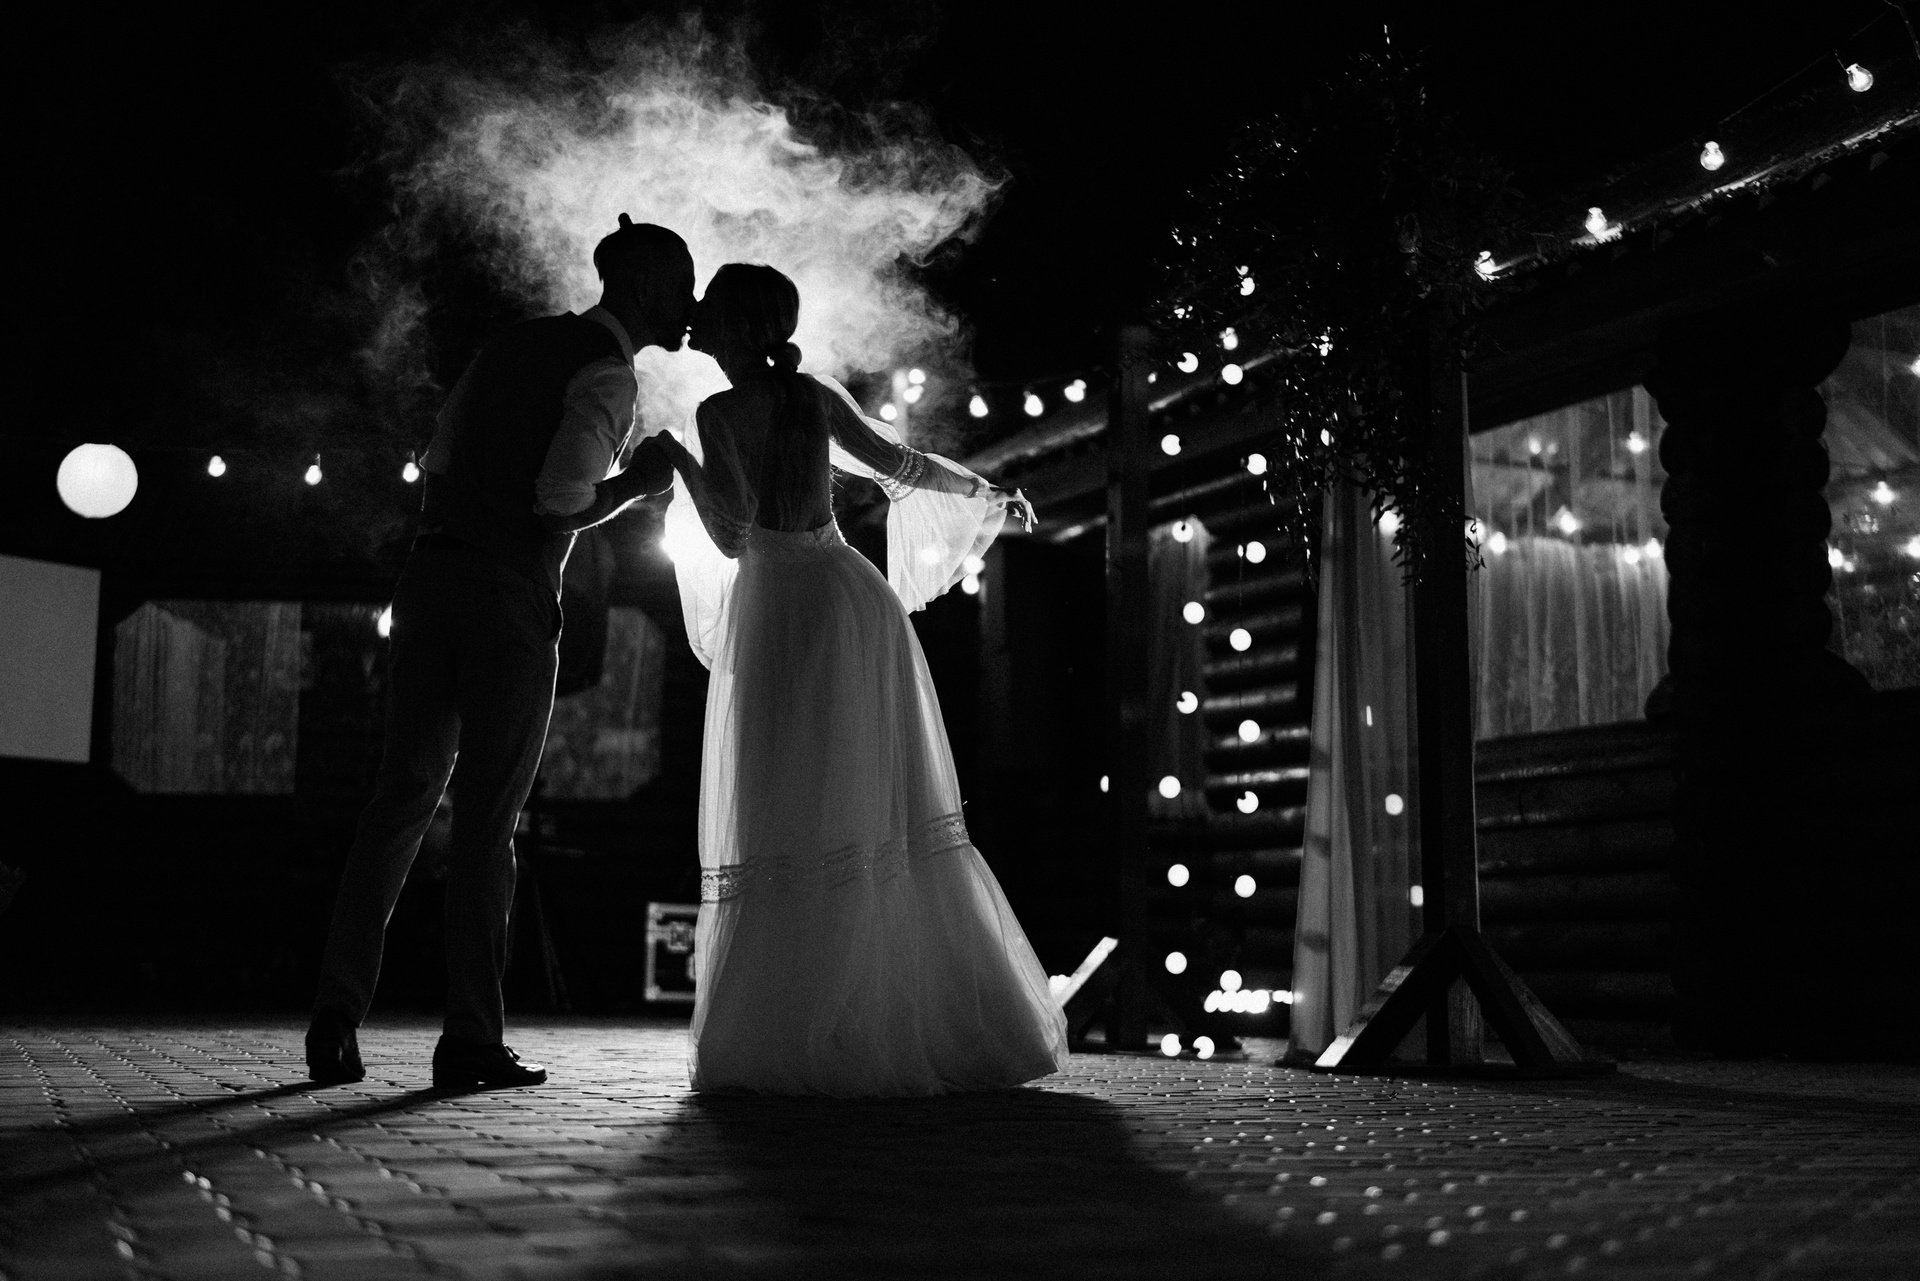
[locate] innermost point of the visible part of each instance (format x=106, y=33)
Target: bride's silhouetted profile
x=851, y=939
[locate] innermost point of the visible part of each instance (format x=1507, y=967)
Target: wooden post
x=1451, y=966
x=1128, y=463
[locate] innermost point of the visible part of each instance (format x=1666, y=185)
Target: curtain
x=1176, y=667
x=206, y=696
x=1356, y=919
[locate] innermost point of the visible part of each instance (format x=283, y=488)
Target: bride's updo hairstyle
x=760, y=307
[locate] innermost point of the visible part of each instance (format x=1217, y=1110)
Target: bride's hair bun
x=786, y=357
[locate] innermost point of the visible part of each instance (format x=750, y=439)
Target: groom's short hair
x=638, y=246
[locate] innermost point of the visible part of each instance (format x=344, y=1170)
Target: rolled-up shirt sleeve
x=595, y=425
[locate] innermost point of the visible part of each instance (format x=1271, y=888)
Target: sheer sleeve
x=706, y=528
x=943, y=515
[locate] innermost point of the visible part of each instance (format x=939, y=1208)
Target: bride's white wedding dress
x=851, y=940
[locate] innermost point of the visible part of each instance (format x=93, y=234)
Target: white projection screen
x=49, y=620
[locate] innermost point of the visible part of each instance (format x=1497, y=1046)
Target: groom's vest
x=501, y=422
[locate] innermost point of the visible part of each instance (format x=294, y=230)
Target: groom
x=518, y=465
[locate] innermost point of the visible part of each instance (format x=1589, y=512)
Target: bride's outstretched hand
x=1016, y=504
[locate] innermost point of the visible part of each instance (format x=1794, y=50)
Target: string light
x=913, y=393
x=977, y=406
x=384, y=623
x=1249, y=731
x=1859, y=79
x=1630, y=554
x=314, y=475
x=1076, y=391
x=1244, y=886
x=1389, y=522
x=1256, y=464
x=216, y=466
x=1912, y=547
x=410, y=472
x=1203, y=1047
x=1231, y=375
x=1882, y=494
x=1188, y=362
x=1416, y=896
x=1188, y=703
x=1034, y=405
x=1230, y=980
x=1711, y=157
x=1194, y=612
x=1241, y=639
x=1395, y=805
x=1598, y=227
x=1256, y=552
x=1169, y=787
x=1497, y=543
x=974, y=565
x=1484, y=266
x=1652, y=548
x=1636, y=443
x=1566, y=522
x=970, y=584
x=1169, y=444
x=1176, y=963
x=1182, y=532
x=1104, y=782
x=915, y=377
x=889, y=411
x=1229, y=339
x=1178, y=875
x=1170, y=1044
x=1247, y=802
x=1246, y=287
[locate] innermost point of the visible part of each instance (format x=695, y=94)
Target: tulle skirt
x=851, y=940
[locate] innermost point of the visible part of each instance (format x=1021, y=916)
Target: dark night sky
x=189, y=203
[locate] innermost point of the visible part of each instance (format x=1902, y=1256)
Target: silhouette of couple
x=851, y=940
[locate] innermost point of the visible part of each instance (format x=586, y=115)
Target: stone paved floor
x=197, y=1152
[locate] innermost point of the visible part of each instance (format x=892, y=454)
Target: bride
x=851, y=940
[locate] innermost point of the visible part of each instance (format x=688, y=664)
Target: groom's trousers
x=471, y=670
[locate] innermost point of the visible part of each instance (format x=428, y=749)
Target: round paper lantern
x=97, y=481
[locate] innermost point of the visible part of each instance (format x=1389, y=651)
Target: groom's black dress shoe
x=459, y=1064
x=333, y=1051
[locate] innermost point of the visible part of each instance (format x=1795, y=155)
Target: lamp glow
x=1566, y=522
x=1231, y=375
x=1076, y=391
x=1416, y=896
x=974, y=564
x=1859, y=79
x=970, y=584
x=1484, y=266
x=1882, y=494
x=1711, y=157
x=1203, y=1047
x=1230, y=980
x=97, y=481
x=1188, y=362
x=1193, y=611
x=1169, y=444
x=1182, y=531
x=915, y=377
x=1247, y=802
x=1178, y=875
x=216, y=466
x=1241, y=639
x=1169, y=787
x=1229, y=339
x=1497, y=543
x=1034, y=405
x=913, y=393
x=1835, y=557
x=1103, y=782
x=1246, y=287
x=1188, y=702
x=1389, y=522
x=1249, y=731
x=1243, y=886
x=1596, y=223
x=977, y=406
x=1630, y=554
x=1256, y=464
x=384, y=623
x=410, y=470
x=889, y=411
x=1176, y=962
x=1170, y=1044
x=1636, y=443
x=314, y=475
x=1256, y=552
x=1395, y=805
x=1912, y=547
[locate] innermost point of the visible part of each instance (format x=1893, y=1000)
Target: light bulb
x=1193, y=611
x=1484, y=266
x=1256, y=552
x=1651, y=547
x=1104, y=782
x=1176, y=962
x=1566, y=522
x=216, y=466
x=1416, y=896
x=1241, y=640
x=1230, y=980
x=1859, y=79
x=1246, y=287
x=410, y=471
x=1203, y=1047
x=1243, y=886
x=1631, y=555
x=1835, y=557
x=1249, y=731
x=1882, y=494
x=977, y=406
x=1497, y=543
x=973, y=564
x=1389, y=522
x=889, y=411
x=383, y=624
x=314, y=475
x=1395, y=805
x=1188, y=362
x=1256, y=464
x=1076, y=391
x=1188, y=703
x=1169, y=444
x=1231, y=375
x=1182, y=532
x=1034, y=405
x=1636, y=443
x=1711, y=157
x=1229, y=339
x=1178, y=875
x=1247, y=802
x=1169, y=787
x=970, y=584
x=1170, y=1044
x=1596, y=221
x=1912, y=547
x=913, y=393
x=916, y=376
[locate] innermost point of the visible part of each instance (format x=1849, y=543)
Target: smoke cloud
x=539, y=158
